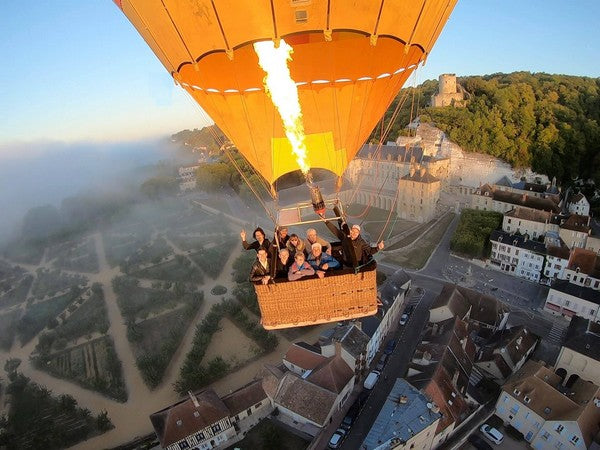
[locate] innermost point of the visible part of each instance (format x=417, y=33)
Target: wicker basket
x=312, y=301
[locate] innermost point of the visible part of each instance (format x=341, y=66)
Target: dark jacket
x=356, y=252
x=266, y=244
x=257, y=272
x=281, y=271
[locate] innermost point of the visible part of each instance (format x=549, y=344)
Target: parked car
x=403, y=319
x=337, y=438
x=491, y=433
x=381, y=363
x=371, y=379
x=478, y=442
x=389, y=347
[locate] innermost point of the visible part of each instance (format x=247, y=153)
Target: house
x=200, y=421
x=578, y=204
x=568, y=300
x=441, y=368
x=482, y=311
x=532, y=222
x=490, y=198
x=593, y=243
x=547, y=412
x=408, y=419
x=247, y=407
x=505, y=353
x=392, y=295
x=517, y=255
x=583, y=268
x=350, y=342
x=580, y=353
x=557, y=260
x=187, y=177
x=302, y=357
x=306, y=403
x=575, y=230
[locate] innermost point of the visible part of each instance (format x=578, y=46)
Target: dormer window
x=517, y=392
x=527, y=399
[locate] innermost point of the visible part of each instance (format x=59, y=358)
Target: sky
x=77, y=71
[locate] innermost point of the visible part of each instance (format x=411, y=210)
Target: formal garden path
x=131, y=419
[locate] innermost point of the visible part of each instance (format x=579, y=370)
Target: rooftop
x=534, y=215
x=420, y=176
x=304, y=356
x=576, y=222
x=562, y=252
x=395, y=153
x=583, y=336
x=528, y=201
x=585, y=261
x=577, y=198
x=517, y=240
x=185, y=418
x=582, y=292
x=405, y=413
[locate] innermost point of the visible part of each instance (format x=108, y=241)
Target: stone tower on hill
x=449, y=93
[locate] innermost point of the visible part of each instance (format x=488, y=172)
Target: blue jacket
x=324, y=258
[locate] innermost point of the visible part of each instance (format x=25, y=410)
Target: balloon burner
x=316, y=199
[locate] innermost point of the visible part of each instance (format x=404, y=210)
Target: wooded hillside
x=550, y=123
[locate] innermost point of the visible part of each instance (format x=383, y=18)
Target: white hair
x=317, y=245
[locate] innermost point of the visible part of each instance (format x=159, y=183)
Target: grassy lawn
x=394, y=227
x=39, y=314
x=51, y=282
x=18, y=293
x=178, y=269
x=212, y=260
x=156, y=340
x=353, y=211
x=417, y=256
x=75, y=255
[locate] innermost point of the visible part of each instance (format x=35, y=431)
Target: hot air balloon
x=350, y=59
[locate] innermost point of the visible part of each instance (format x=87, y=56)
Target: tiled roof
x=586, y=261
x=397, y=153
x=353, y=340
x=245, y=397
x=549, y=399
x=517, y=240
x=558, y=252
x=525, y=200
x=577, y=198
x=534, y=215
x=305, y=398
x=480, y=307
x=420, y=176
x=184, y=418
x=404, y=414
x=576, y=222
x=333, y=375
x=271, y=377
x=583, y=336
x=300, y=356
x=582, y=292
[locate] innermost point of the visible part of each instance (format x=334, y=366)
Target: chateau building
x=532, y=222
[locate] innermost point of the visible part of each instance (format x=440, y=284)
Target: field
x=156, y=340
x=49, y=283
x=18, y=292
x=93, y=365
x=74, y=255
x=213, y=259
x=178, y=269
x=417, y=255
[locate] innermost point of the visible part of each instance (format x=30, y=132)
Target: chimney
x=403, y=399
x=435, y=408
x=411, y=172
x=524, y=198
x=422, y=172
x=194, y=399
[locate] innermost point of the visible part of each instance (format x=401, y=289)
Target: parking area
x=509, y=442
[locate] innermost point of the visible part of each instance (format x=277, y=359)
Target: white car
x=337, y=438
x=492, y=434
x=403, y=319
x=371, y=379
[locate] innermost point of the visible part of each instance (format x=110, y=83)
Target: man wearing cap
x=357, y=252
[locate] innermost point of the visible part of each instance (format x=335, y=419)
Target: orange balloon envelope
x=350, y=59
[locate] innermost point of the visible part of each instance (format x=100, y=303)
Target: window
x=545, y=435
x=514, y=409
x=249, y=411
x=559, y=428
x=527, y=400
x=216, y=428
x=574, y=439
x=183, y=445
x=200, y=437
